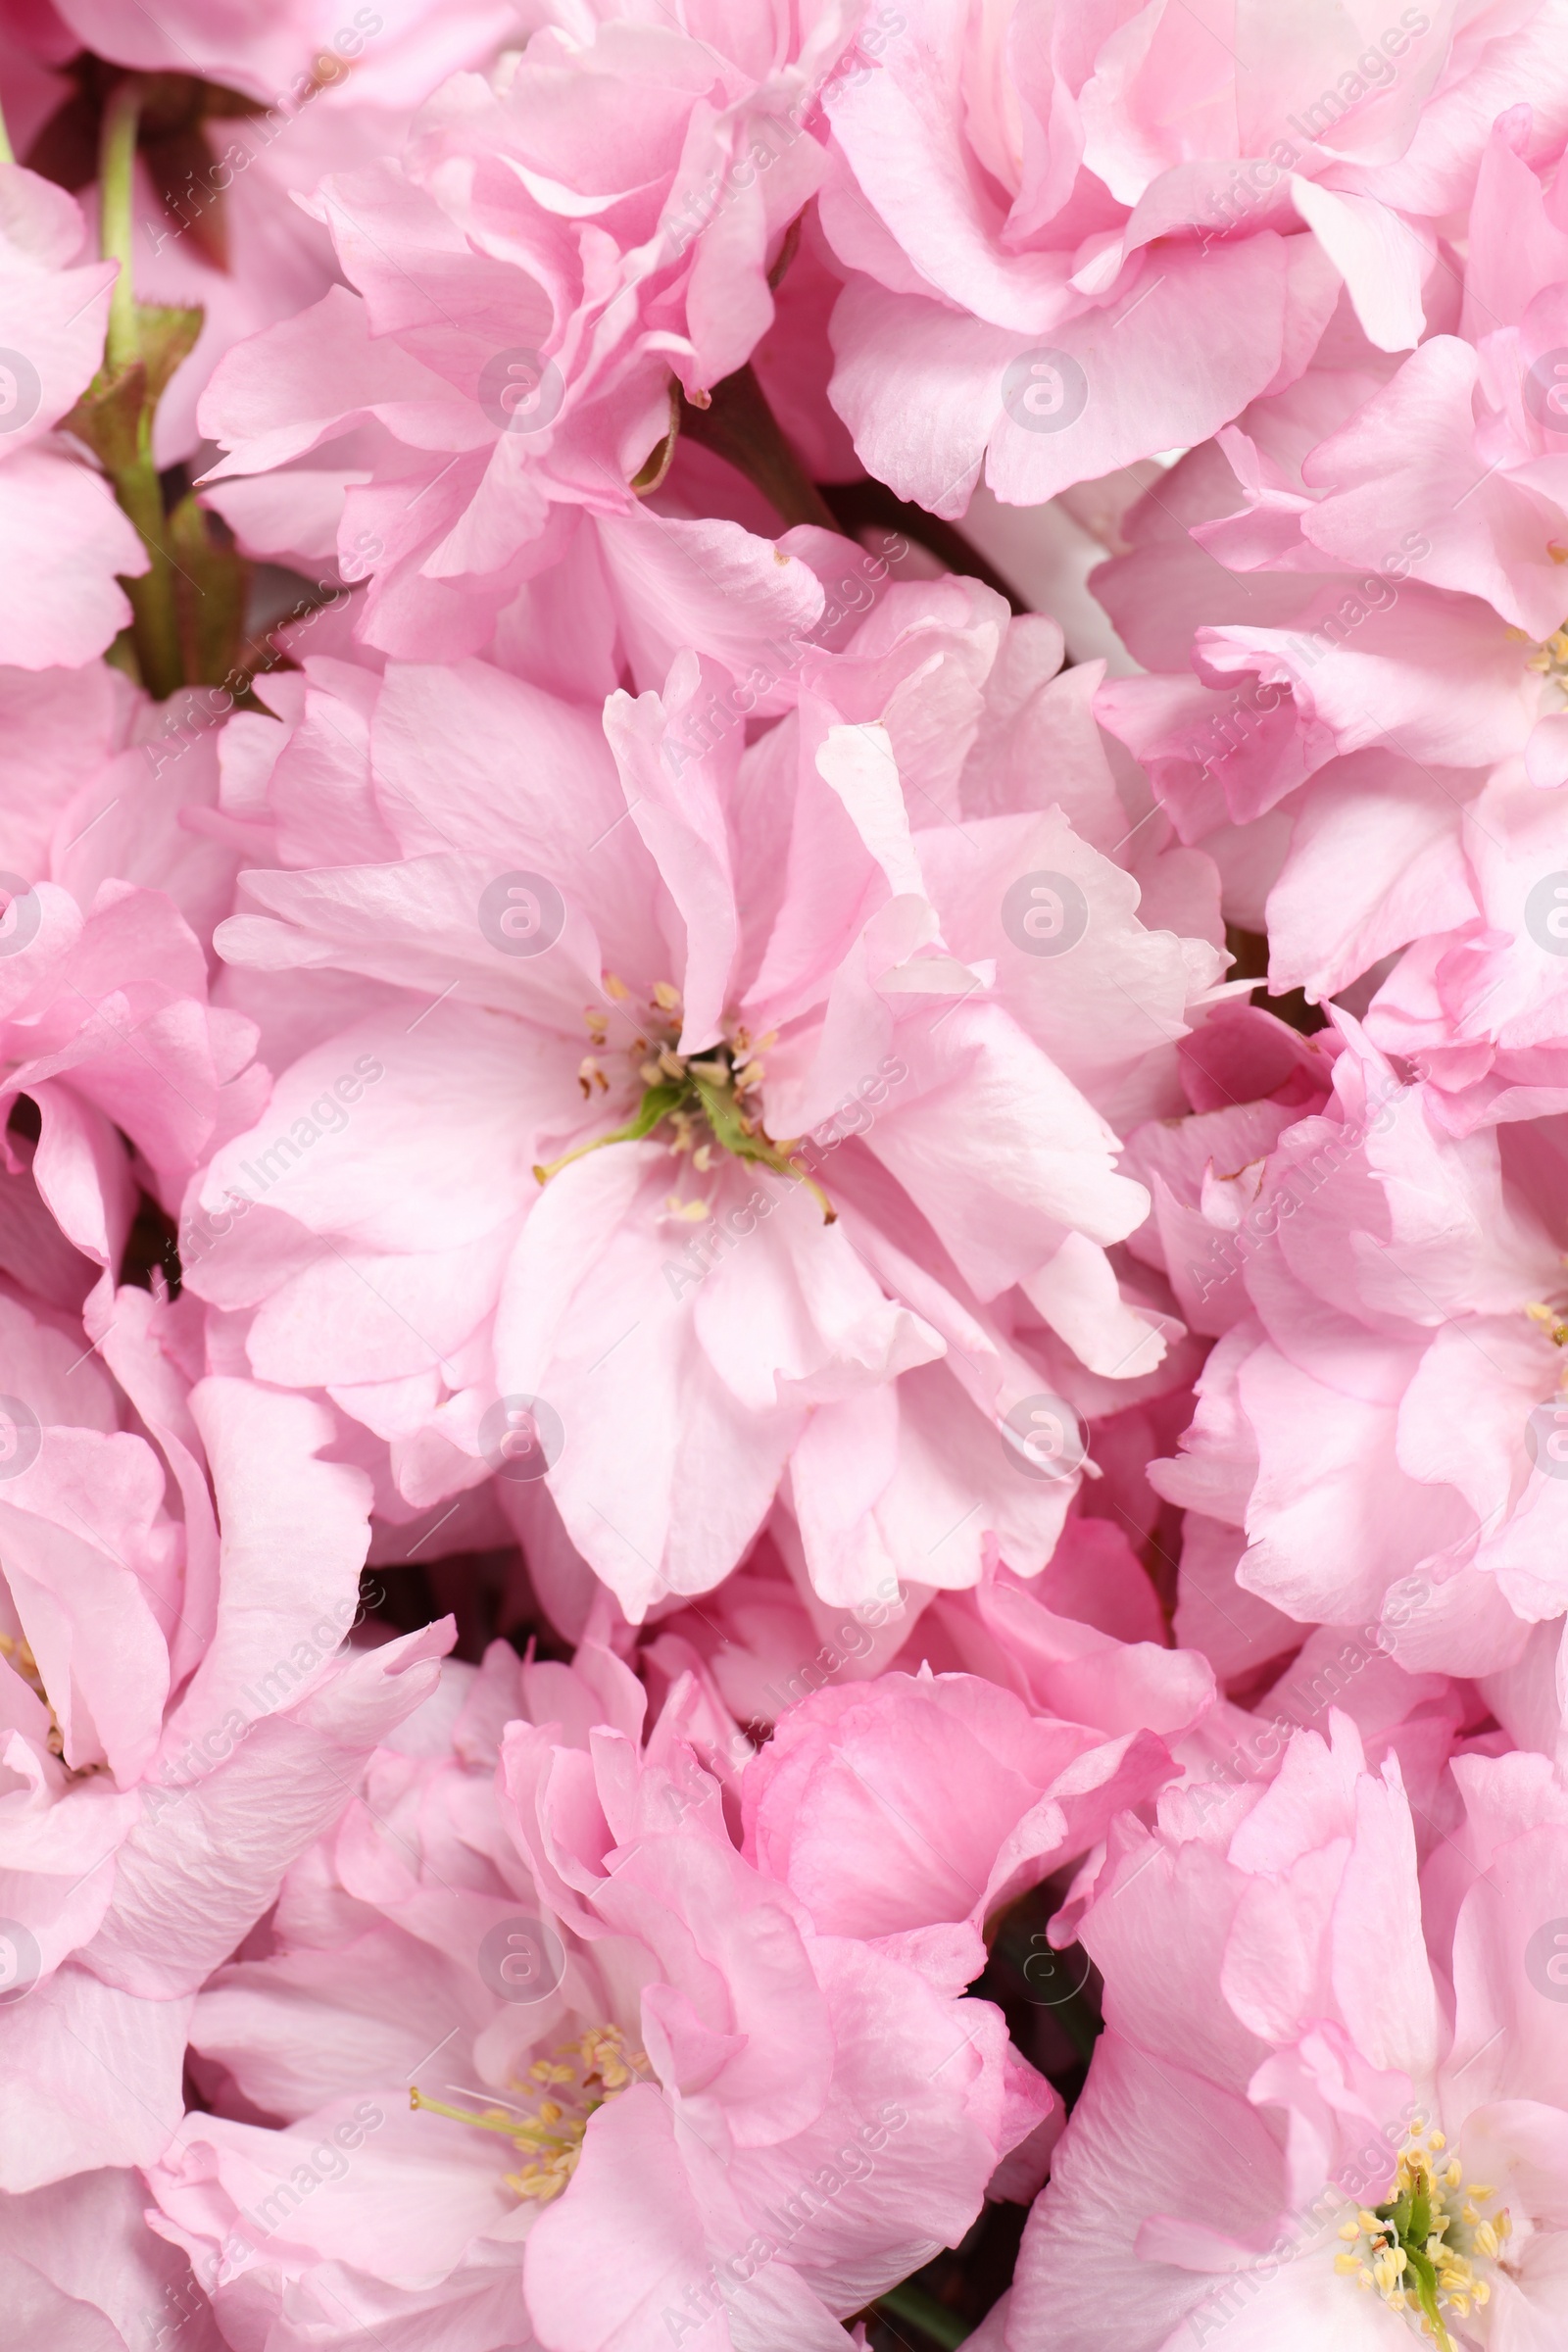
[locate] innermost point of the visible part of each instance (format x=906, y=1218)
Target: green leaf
x=108, y=417
x=165, y=336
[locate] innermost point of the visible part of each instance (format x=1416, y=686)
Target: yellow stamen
x=586, y=2073
x=1420, y=2246
x=494, y=2119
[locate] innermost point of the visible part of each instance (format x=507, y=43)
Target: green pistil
x=657, y=1103
x=1410, y=2217
x=705, y=1091
x=722, y=1112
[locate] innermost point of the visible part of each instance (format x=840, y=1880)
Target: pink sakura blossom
x=62, y=537
x=703, y=1071
x=1323, y=727
x=557, y=256
x=1304, y=2040
x=106, y=1029
x=883, y=1796
x=1365, y=726
x=99, y=784
x=178, y=1571
x=861, y=1319
x=320, y=86
x=1077, y=245
x=358, y=2211
x=1476, y=1007
x=1376, y=1436
x=913, y=1799
x=179, y=1574
x=772, y=2116
x=770, y=2123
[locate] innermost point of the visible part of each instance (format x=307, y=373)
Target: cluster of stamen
x=1420, y=2248
x=19, y=1654
x=1550, y=657
x=1552, y=1321
x=699, y=1104
x=565, y=2091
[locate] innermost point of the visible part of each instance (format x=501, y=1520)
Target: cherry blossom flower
x=724, y=948
x=1327, y=2101
x=777, y=2122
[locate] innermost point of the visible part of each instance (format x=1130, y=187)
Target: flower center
x=1551, y=658
x=17, y=1653
x=697, y=1102
x=565, y=2091
x=1420, y=2248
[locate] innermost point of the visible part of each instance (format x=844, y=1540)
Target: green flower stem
x=116, y=177
x=155, y=625
x=7, y=151
x=933, y=2319
x=738, y=424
